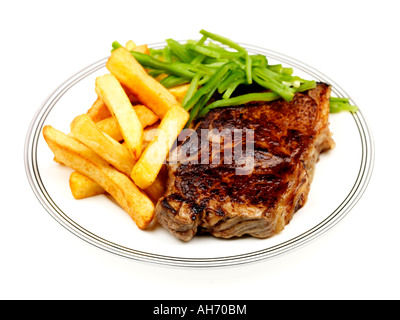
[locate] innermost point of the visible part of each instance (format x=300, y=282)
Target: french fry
x=145, y=115
x=128, y=100
x=134, y=77
x=98, y=111
x=143, y=48
x=179, y=92
x=79, y=157
x=132, y=98
x=83, y=187
x=130, y=45
x=86, y=131
x=158, y=187
x=148, y=166
x=114, y=96
x=110, y=127
x=148, y=134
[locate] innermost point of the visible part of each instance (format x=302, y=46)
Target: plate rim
x=362, y=180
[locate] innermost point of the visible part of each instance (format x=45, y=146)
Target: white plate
x=340, y=179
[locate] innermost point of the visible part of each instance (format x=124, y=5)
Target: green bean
x=308, y=85
x=172, y=81
x=340, y=104
x=210, y=86
x=167, y=54
x=240, y=100
x=235, y=46
x=215, y=51
x=216, y=64
x=203, y=50
x=232, y=87
x=198, y=59
x=115, y=45
x=269, y=83
x=336, y=99
x=207, y=95
x=258, y=60
x=170, y=68
x=223, y=40
x=288, y=71
x=192, y=88
x=270, y=74
x=179, y=50
x=234, y=75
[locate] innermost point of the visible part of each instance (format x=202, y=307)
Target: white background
x=355, y=43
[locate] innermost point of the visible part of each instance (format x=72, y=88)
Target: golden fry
x=111, y=128
x=79, y=157
x=158, y=187
x=98, y=111
x=134, y=77
x=130, y=45
x=179, y=92
x=143, y=48
x=83, y=187
x=148, y=166
x=114, y=96
x=86, y=131
x=145, y=115
x=128, y=101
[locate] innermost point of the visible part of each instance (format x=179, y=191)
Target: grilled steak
x=254, y=192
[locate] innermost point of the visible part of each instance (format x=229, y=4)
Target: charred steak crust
x=209, y=196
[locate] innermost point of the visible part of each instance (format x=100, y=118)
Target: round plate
x=340, y=179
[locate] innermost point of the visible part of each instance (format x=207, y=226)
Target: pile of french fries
x=119, y=146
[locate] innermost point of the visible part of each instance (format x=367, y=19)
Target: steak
x=251, y=185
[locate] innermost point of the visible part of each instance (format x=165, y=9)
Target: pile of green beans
x=215, y=64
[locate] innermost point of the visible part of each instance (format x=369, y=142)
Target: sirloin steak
x=207, y=193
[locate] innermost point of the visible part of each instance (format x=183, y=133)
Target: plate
x=341, y=177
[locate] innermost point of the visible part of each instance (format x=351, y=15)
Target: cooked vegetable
x=239, y=100
x=341, y=104
x=215, y=64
